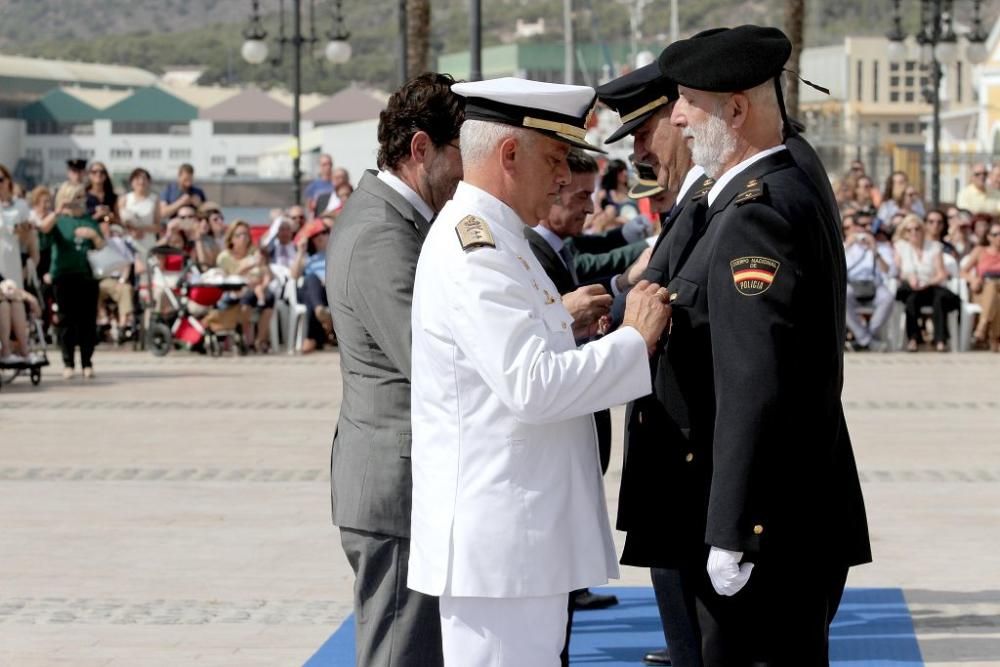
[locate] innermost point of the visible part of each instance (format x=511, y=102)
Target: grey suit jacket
x=370, y=266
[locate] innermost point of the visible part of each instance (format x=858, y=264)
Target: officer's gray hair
x=479, y=138
x=763, y=97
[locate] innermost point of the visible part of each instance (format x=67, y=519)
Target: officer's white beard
x=714, y=144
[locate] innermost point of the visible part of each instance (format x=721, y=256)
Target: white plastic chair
x=968, y=311
x=289, y=315
x=897, y=321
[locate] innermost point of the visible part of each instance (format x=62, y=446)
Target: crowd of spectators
x=911, y=267
x=908, y=267
x=80, y=258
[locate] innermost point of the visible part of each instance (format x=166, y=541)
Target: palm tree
x=795, y=12
x=418, y=15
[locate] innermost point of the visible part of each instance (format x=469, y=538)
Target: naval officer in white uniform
x=508, y=506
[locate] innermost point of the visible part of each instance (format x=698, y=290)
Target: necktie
x=567, y=258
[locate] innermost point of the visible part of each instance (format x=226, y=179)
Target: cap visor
x=573, y=141
x=629, y=127
x=643, y=190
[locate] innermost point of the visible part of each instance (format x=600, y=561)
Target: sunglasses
x=979, y=173
x=186, y=217
x=912, y=229
x=298, y=217
x=99, y=171
x=994, y=234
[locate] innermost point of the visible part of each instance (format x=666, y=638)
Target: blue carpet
x=873, y=629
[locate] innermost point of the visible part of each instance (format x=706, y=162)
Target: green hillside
x=154, y=35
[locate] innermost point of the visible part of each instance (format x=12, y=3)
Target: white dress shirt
x=733, y=172
x=397, y=184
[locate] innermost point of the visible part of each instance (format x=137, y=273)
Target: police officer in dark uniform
x=644, y=100
x=759, y=508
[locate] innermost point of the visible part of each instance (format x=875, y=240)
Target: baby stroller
x=36, y=359
x=31, y=364
x=192, y=295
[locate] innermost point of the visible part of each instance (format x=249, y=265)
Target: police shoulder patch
x=703, y=190
x=474, y=233
x=754, y=190
x=753, y=275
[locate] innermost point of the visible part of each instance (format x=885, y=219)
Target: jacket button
x=640, y=417
x=564, y=325
x=758, y=529
x=689, y=457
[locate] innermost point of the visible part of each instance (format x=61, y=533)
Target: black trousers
x=394, y=626
x=781, y=618
x=675, y=598
x=313, y=294
x=76, y=296
x=941, y=300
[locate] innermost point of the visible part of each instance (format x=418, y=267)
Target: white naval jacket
x=507, y=493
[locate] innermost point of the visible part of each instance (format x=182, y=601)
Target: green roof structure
x=59, y=107
x=151, y=105
x=536, y=59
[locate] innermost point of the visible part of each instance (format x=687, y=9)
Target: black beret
x=636, y=96
x=724, y=60
x=79, y=164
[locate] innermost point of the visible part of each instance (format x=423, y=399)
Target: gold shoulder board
x=474, y=233
x=754, y=190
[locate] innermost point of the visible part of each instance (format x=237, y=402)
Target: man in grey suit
x=371, y=262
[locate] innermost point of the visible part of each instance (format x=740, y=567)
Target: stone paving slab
x=176, y=511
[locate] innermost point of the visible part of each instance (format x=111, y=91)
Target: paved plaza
x=176, y=511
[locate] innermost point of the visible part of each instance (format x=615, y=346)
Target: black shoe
x=661, y=657
x=858, y=347
x=587, y=601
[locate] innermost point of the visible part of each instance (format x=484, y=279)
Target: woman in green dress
x=72, y=234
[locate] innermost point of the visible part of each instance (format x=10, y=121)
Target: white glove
x=724, y=569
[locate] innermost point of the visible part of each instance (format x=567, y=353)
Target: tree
x=795, y=11
x=418, y=28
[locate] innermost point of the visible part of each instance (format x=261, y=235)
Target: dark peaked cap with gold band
x=636, y=96
x=557, y=110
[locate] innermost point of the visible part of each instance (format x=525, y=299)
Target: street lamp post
x=255, y=49
x=938, y=44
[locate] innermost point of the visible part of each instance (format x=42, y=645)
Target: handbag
x=864, y=290
x=107, y=262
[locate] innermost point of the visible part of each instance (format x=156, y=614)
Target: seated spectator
x=340, y=178
x=281, y=249
x=981, y=223
x=960, y=234
x=978, y=196
x=206, y=245
x=862, y=193
x=922, y=277
x=14, y=224
x=241, y=258
x=14, y=306
x=983, y=274
x=937, y=230
x=118, y=288
x=310, y=265
x=898, y=196
x=344, y=192
x=183, y=192
x=869, y=265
